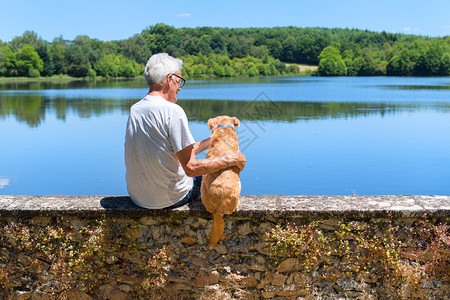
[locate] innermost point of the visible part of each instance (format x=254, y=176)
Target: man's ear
x=169, y=79
x=166, y=83
x=211, y=123
x=236, y=121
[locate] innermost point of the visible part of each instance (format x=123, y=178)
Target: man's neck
x=161, y=91
x=156, y=93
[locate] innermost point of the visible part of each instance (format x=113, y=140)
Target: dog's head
x=223, y=120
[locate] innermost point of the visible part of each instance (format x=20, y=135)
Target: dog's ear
x=211, y=123
x=236, y=121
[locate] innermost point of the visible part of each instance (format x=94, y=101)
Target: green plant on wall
x=396, y=253
x=80, y=259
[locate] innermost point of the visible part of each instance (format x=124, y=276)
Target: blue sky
x=115, y=20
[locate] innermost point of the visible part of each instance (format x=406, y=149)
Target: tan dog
x=220, y=191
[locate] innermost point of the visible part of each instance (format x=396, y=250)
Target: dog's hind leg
x=216, y=230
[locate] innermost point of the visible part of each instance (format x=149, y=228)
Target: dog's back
x=220, y=191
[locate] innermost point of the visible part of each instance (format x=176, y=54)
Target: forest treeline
x=214, y=51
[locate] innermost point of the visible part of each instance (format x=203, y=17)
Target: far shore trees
x=228, y=52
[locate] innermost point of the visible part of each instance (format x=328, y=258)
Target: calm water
x=301, y=136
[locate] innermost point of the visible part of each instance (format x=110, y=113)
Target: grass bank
x=59, y=78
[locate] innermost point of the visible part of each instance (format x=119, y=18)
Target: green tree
x=327, y=67
x=331, y=52
x=259, y=51
x=380, y=69
x=353, y=64
x=263, y=69
x=311, y=43
x=27, y=38
x=341, y=68
x=203, y=45
x=57, y=50
x=135, y=48
x=44, y=54
x=218, y=43
x=429, y=62
x=92, y=48
x=279, y=66
x=113, y=65
x=409, y=58
x=229, y=71
x=28, y=60
x=395, y=66
x=197, y=71
x=252, y=71
x=7, y=62
x=189, y=45
x=293, y=69
x=239, y=47
x=219, y=71
x=331, y=62
x=444, y=69
x=369, y=63
x=159, y=37
x=112, y=47
x=289, y=49
x=78, y=61
x=275, y=48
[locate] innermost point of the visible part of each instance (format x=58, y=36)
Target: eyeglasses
x=182, y=80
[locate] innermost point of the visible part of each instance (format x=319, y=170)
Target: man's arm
x=201, y=146
x=196, y=167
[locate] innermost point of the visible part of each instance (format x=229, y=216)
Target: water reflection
x=32, y=109
x=415, y=87
x=72, y=84
x=297, y=98
x=202, y=110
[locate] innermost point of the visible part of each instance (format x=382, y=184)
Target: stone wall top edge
x=275, y=206
x=259, y=215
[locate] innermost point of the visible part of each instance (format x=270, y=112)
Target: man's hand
x=196, y=167
x=240, y=160
x=236, y=159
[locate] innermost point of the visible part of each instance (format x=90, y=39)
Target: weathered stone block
x=75, y=295
x=41, y=220
x=268, y=295
x=349, y=284
x=148, y=221
x=116, y=294
x=199, y=222
x=189, y=241
x=289, y=293
x=205, y=278
x=276, y=279
x=244, y=229
x=196, y=260
x=221, y=249
x=287, y=265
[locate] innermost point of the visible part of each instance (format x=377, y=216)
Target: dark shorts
x=192, y=196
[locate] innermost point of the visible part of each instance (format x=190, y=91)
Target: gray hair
x=159, y=66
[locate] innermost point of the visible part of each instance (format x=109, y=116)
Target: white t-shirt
x=156, y=130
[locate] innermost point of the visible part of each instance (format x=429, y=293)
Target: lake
x=301, y=136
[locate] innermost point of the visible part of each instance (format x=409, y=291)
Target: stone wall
x=82, y=247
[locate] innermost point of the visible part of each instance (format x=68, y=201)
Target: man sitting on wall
x=159, y=147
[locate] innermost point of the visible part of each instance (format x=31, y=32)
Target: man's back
x=156, y=130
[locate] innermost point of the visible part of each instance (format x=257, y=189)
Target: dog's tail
x=216, y=230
